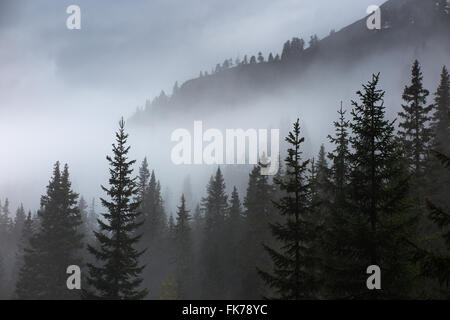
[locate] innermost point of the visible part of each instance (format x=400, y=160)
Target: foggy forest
x=87, y=178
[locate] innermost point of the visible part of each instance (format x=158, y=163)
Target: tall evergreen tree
x=55, y=245
x=434, y=263
x=440, y=123
x=215, y=206
x=438, y=177
x=293, y=277
x=117, y=276
x=414, y=132
x=22, y=244
x=259, y=212
x=183, y=250
x=234, y=251
x=340, y=155
x=335, y=229
x=379, y=216
x=19, y=221
x=155, y=238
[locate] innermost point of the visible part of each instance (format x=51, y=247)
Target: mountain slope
x=408, y=26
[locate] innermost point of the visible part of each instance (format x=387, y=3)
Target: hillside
x=408, y=26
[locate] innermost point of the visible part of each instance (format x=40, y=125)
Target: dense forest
x=379, y=197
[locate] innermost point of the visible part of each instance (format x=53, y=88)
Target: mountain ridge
x=406, y=25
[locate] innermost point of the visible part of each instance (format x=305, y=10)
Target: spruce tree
x=293, y=277
x=336, y=226
x=183, y=249
x=22, y=244
x=379, y=218
x=214, y=206
x=414, y=133
x=434, y=263
x=438, y=178
x=441, y=108
x=235, y=254
x=259, y=212
x=55, y=245
x=154, y=236
x=19, y=221
x=117, y=274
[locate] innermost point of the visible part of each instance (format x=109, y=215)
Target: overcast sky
x=58, y=85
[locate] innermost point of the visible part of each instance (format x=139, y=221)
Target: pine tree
x=234, y=252
x=235, y=212
x=117, y=277
x=293, y=277
x=155, y=238
x=183, y=247
x=19, y=222
x=214, y=206
x=55, y=245
x=2, y=277
x=379, y=216
x=321, y=185
x=440, y=124
x=22, y=244
x=435, y=263
x=335, y=229
x=286, y=53
x=259, y=212
x=5, y=223
x=438, y=177
x=340, y=154
x=414, y=133
x=260, y=57
x=297, y=46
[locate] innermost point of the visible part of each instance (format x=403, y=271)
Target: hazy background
x=62, y=91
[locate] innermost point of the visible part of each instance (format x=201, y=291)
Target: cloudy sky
x=57, y=84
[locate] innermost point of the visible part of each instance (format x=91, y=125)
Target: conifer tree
x=235, y=254
x=379, y=216
x=414, y=133
x=55, y=245
x=117, y=274
x=340, y=155
x=441, y=108
x=286, y=53
x=22, y=244
x=154, y=230
x=438, y=178
x=19, y=221
x=434, y=263
x=183, y=249
x=335, y=229
x=292, y=277
x=214, y=206
x=259, y=212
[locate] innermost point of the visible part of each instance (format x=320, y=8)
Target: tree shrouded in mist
x=55, y=245
x=117, y=276
x=414, y=133
x=293, y=277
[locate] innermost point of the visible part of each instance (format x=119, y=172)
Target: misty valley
x=308, y=170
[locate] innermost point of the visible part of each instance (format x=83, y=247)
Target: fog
x=63, y=91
